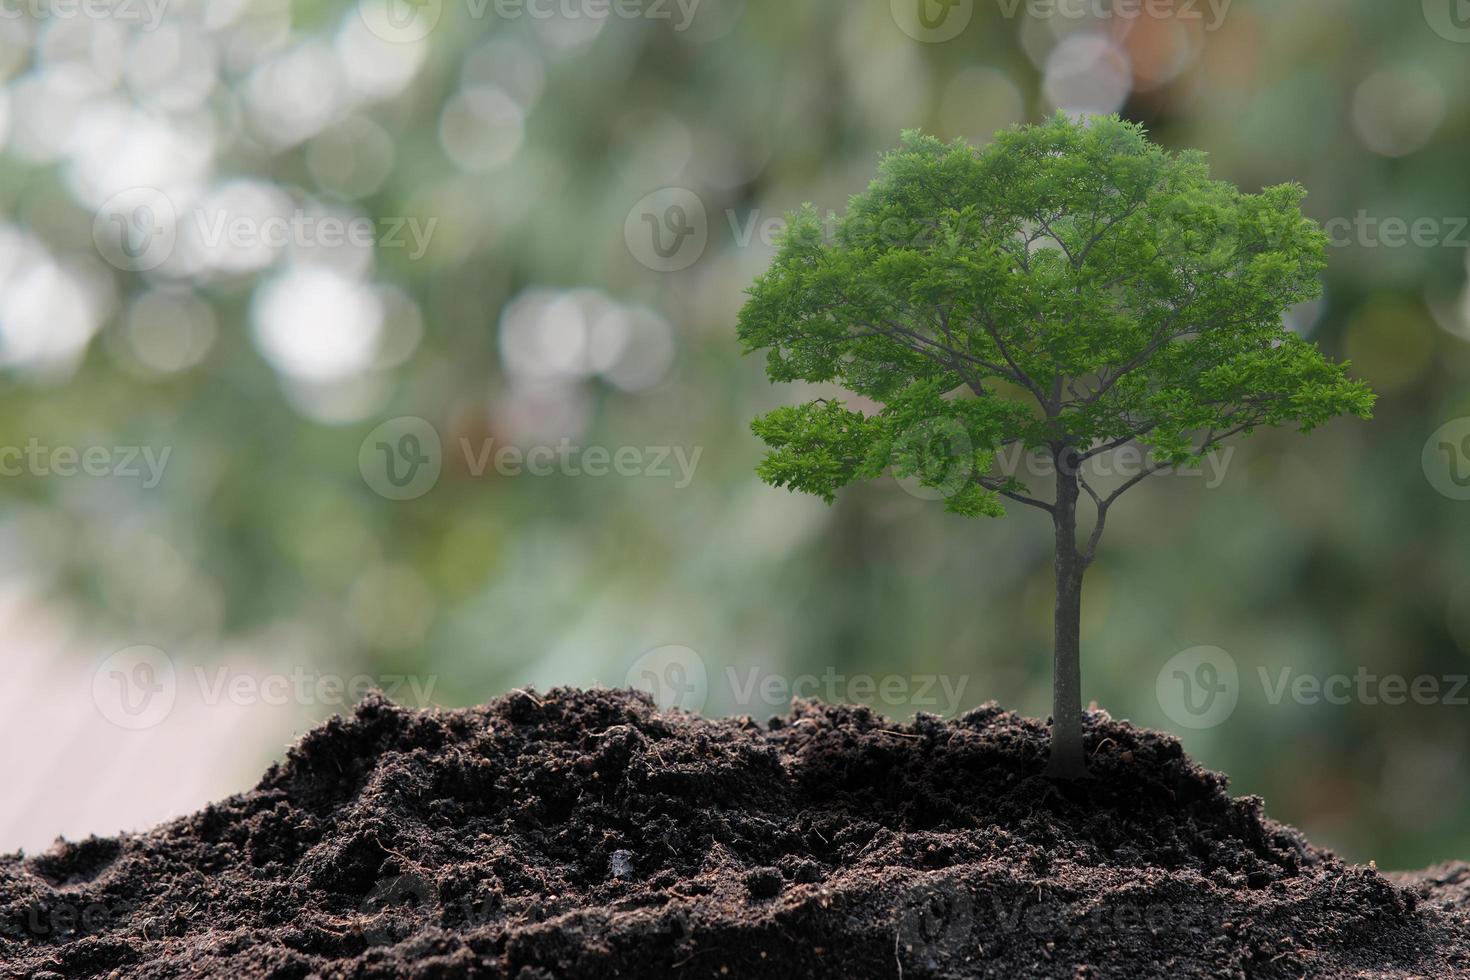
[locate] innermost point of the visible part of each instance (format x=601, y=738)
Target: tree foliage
x=1070, y=287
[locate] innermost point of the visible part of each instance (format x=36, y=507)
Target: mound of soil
x=581, y=834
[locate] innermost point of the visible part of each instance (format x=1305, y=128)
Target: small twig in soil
x=408, y=861
x=686, y=960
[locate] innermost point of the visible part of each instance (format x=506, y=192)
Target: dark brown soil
x=587, y=835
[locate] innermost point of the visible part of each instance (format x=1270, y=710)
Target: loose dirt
x=586, y=834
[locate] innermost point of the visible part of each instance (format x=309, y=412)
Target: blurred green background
x=512, y=164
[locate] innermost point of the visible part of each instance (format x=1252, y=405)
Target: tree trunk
x=1067, y=759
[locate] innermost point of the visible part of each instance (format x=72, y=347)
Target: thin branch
x=1090, y=552
x=1020, y=498
x=1117, y=443
x=1082, y=480
x=1134, y=480
x=1109, y=227
x=1021, y=378
x=1071, y=260
x=1211, y=441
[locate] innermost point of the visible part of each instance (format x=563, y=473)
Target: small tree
x=1068, y=290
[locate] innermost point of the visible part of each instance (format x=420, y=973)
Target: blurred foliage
x=532, y=315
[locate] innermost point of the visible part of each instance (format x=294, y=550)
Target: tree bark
x=1067, y=758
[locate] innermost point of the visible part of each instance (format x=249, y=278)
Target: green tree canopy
x=1073, y=281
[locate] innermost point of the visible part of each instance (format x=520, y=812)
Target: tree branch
x=1071, y=260
x=1116, y=443
x=1021, y=377
x=1211, y=441
x=1020, y=498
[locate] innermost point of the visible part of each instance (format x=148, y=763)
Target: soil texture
x=587, y=834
